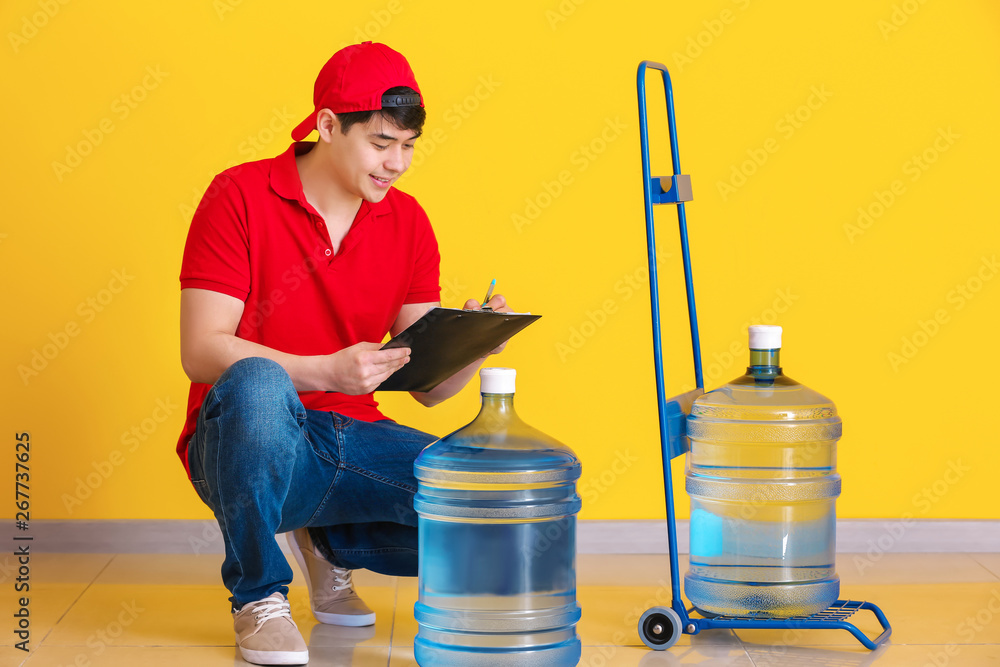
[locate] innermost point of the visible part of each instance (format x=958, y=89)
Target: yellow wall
x=791, y=117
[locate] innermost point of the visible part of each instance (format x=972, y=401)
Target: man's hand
x=454, y=384
x=362, y=367
x=497, y=304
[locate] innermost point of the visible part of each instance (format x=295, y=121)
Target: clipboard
x=445, y=340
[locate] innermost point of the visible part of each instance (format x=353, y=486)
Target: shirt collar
x=286, y=183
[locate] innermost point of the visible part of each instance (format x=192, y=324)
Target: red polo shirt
x=256, y=238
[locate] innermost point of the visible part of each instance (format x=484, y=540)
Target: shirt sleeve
x=217, y=251
x=425, y=282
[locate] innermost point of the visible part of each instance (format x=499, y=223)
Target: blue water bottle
x=497, y=508
x=762, y=477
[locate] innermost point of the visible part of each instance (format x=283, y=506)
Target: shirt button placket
x=321, y=228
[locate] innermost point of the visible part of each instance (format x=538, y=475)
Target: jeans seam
x=340, y=444
x=194, y=482
x=222, y=508
x=378, y=478
x=326, y=496
x=318, y=451
x=339, y=463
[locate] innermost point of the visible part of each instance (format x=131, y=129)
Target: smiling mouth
x=381, y=181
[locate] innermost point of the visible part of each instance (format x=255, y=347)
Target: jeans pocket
x=197, y=473
x=201, y=488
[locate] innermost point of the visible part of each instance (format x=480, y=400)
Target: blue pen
x=489, y=293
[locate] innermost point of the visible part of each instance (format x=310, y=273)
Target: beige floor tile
x=941, y=613
x=132, y=656
x=990, y=561
x=47, y=604
x=114, y=615
x=887, y=656
x=109, y=615
x=336, y=636
x=371, y=656
x=892, y=568
x=11, y=657
x=227, y=656
x=707, y=655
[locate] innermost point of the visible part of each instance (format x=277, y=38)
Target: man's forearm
x=212, y=354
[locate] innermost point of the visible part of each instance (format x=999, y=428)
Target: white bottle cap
x=497, y=380
x=764, y=337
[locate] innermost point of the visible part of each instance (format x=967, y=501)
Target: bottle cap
x=497, y=380
x=764, y=337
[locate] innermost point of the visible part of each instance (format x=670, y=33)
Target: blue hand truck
x=661, y=627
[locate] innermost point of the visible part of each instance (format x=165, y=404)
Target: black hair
x=408, y=118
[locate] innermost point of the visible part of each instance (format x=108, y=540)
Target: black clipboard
x=445, y=340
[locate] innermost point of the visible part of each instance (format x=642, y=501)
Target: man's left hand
x=497, y=304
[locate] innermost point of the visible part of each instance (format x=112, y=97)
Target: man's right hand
x=362, y=367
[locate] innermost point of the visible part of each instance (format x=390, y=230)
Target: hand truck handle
x=677, y=193
x=654, y=193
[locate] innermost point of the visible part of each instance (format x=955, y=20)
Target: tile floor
x=90, y=610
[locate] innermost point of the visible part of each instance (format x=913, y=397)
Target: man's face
x=371, y=156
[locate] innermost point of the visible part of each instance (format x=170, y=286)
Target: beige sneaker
x=331, y=592
x=267, y=635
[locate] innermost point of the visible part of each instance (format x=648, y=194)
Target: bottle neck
x=765, y=365
x=499, y=407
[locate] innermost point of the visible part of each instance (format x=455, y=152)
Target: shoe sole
x=348, y=620
x=274, y=657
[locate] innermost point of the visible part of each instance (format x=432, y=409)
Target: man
x=295, y=268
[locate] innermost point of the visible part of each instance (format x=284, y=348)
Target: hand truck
x=660, y=627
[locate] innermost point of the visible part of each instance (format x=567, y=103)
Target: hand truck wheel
x=660, y=628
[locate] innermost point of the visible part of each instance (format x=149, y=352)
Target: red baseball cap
x=355, y=79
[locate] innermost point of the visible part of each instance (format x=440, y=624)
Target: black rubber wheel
x=660, y=628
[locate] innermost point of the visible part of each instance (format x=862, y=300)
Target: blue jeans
x=266, y=465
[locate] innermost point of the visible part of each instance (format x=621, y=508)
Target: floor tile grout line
x=73, y=603
x=392, y=627
x=985, y=566
x=753, y=662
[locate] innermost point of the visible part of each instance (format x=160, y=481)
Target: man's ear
x=327, y=123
